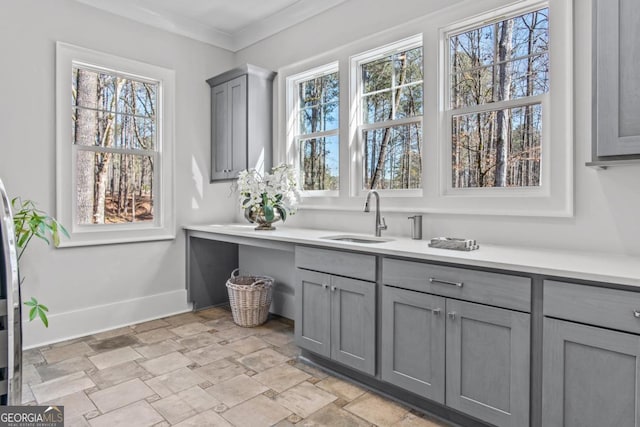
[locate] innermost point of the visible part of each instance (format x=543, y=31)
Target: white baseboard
x=99, y=318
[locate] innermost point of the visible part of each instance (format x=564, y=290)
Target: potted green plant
x=30, y=222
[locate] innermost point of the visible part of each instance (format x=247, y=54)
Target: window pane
x=135, y=133
x=319, y=90
x=408, y=66
x=113, y=188
x=377, y=108
x=410, y=102
x=145, y=99
x=499, y=148
x=529, y=77
x=472, y=49
x=377, y=75
x=92, y=89
x=531, y=33
x=472, y=87
x=320, y=166
x=320, y=118
x=392, y=157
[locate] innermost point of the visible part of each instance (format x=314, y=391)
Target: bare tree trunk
x=86, y=126
x=503, y=87
x=387, y=133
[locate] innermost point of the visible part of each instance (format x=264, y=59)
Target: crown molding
x=294, y=14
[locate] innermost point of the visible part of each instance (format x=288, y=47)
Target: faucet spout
x=380, y=222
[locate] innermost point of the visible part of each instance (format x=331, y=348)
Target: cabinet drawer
x=496, y=289
x=593, y=305
x=358, y=266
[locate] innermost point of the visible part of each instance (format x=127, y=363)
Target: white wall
x=93, y=288
x=606, y=202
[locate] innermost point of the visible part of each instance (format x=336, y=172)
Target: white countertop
x=595, y=266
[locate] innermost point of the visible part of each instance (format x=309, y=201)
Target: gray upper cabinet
x=241, y=116
x=591, y=376
x=336, y=318
x=617, y=83
x=413, y=336
x=488, y=362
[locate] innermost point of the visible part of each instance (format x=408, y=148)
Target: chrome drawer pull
x=445, y=282
x=333, y=289
x=325, y=286
x=452, y=315
x=436, y=311
x=636, y=314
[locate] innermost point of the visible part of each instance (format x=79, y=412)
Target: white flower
x=278, y=188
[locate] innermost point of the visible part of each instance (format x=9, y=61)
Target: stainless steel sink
x=354, y=238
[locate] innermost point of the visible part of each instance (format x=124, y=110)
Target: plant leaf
x=44, y=307
x=268, y=212
x=32, y=313
x=283, y=213
x=43, y=317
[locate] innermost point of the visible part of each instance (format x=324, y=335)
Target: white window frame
x=447, y=189
x=357, y=127
x=293, y=124
x=163, y=225
x=554, y=196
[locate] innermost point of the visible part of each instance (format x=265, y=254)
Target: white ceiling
x=230, y=24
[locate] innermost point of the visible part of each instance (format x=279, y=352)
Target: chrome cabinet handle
x=436, y=311
x=333, y=289
x=636, y=314
x=445, y=282
x=325, y=286
x=452, y=315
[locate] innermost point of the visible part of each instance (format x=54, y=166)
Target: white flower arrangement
x=272, y=193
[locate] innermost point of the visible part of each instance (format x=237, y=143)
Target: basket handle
x=258, y=282
x=235, y=273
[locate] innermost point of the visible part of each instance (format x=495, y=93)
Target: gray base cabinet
x=488, y=362
x=413, y=336
x=591, y=376
x=336, y=318
x=479, y=354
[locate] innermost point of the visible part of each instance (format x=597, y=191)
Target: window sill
x=84, y=240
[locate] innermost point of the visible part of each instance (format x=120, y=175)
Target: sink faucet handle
x=383, y=224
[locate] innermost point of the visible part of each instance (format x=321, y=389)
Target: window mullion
x=499, y=105
x=125, y=151
x=391, y=123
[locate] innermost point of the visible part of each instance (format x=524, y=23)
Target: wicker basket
x=250, y=298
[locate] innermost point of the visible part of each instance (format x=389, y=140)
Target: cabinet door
x=617, y=84
x=312, y=321
x=237, y=123
x=219, y=132
x=488, y=363
x=413, y=341
x=591, y=376
x=353, y=323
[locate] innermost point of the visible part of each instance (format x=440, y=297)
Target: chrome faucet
x=380, y=223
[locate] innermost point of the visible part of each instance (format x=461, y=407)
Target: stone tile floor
x=199, y=369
